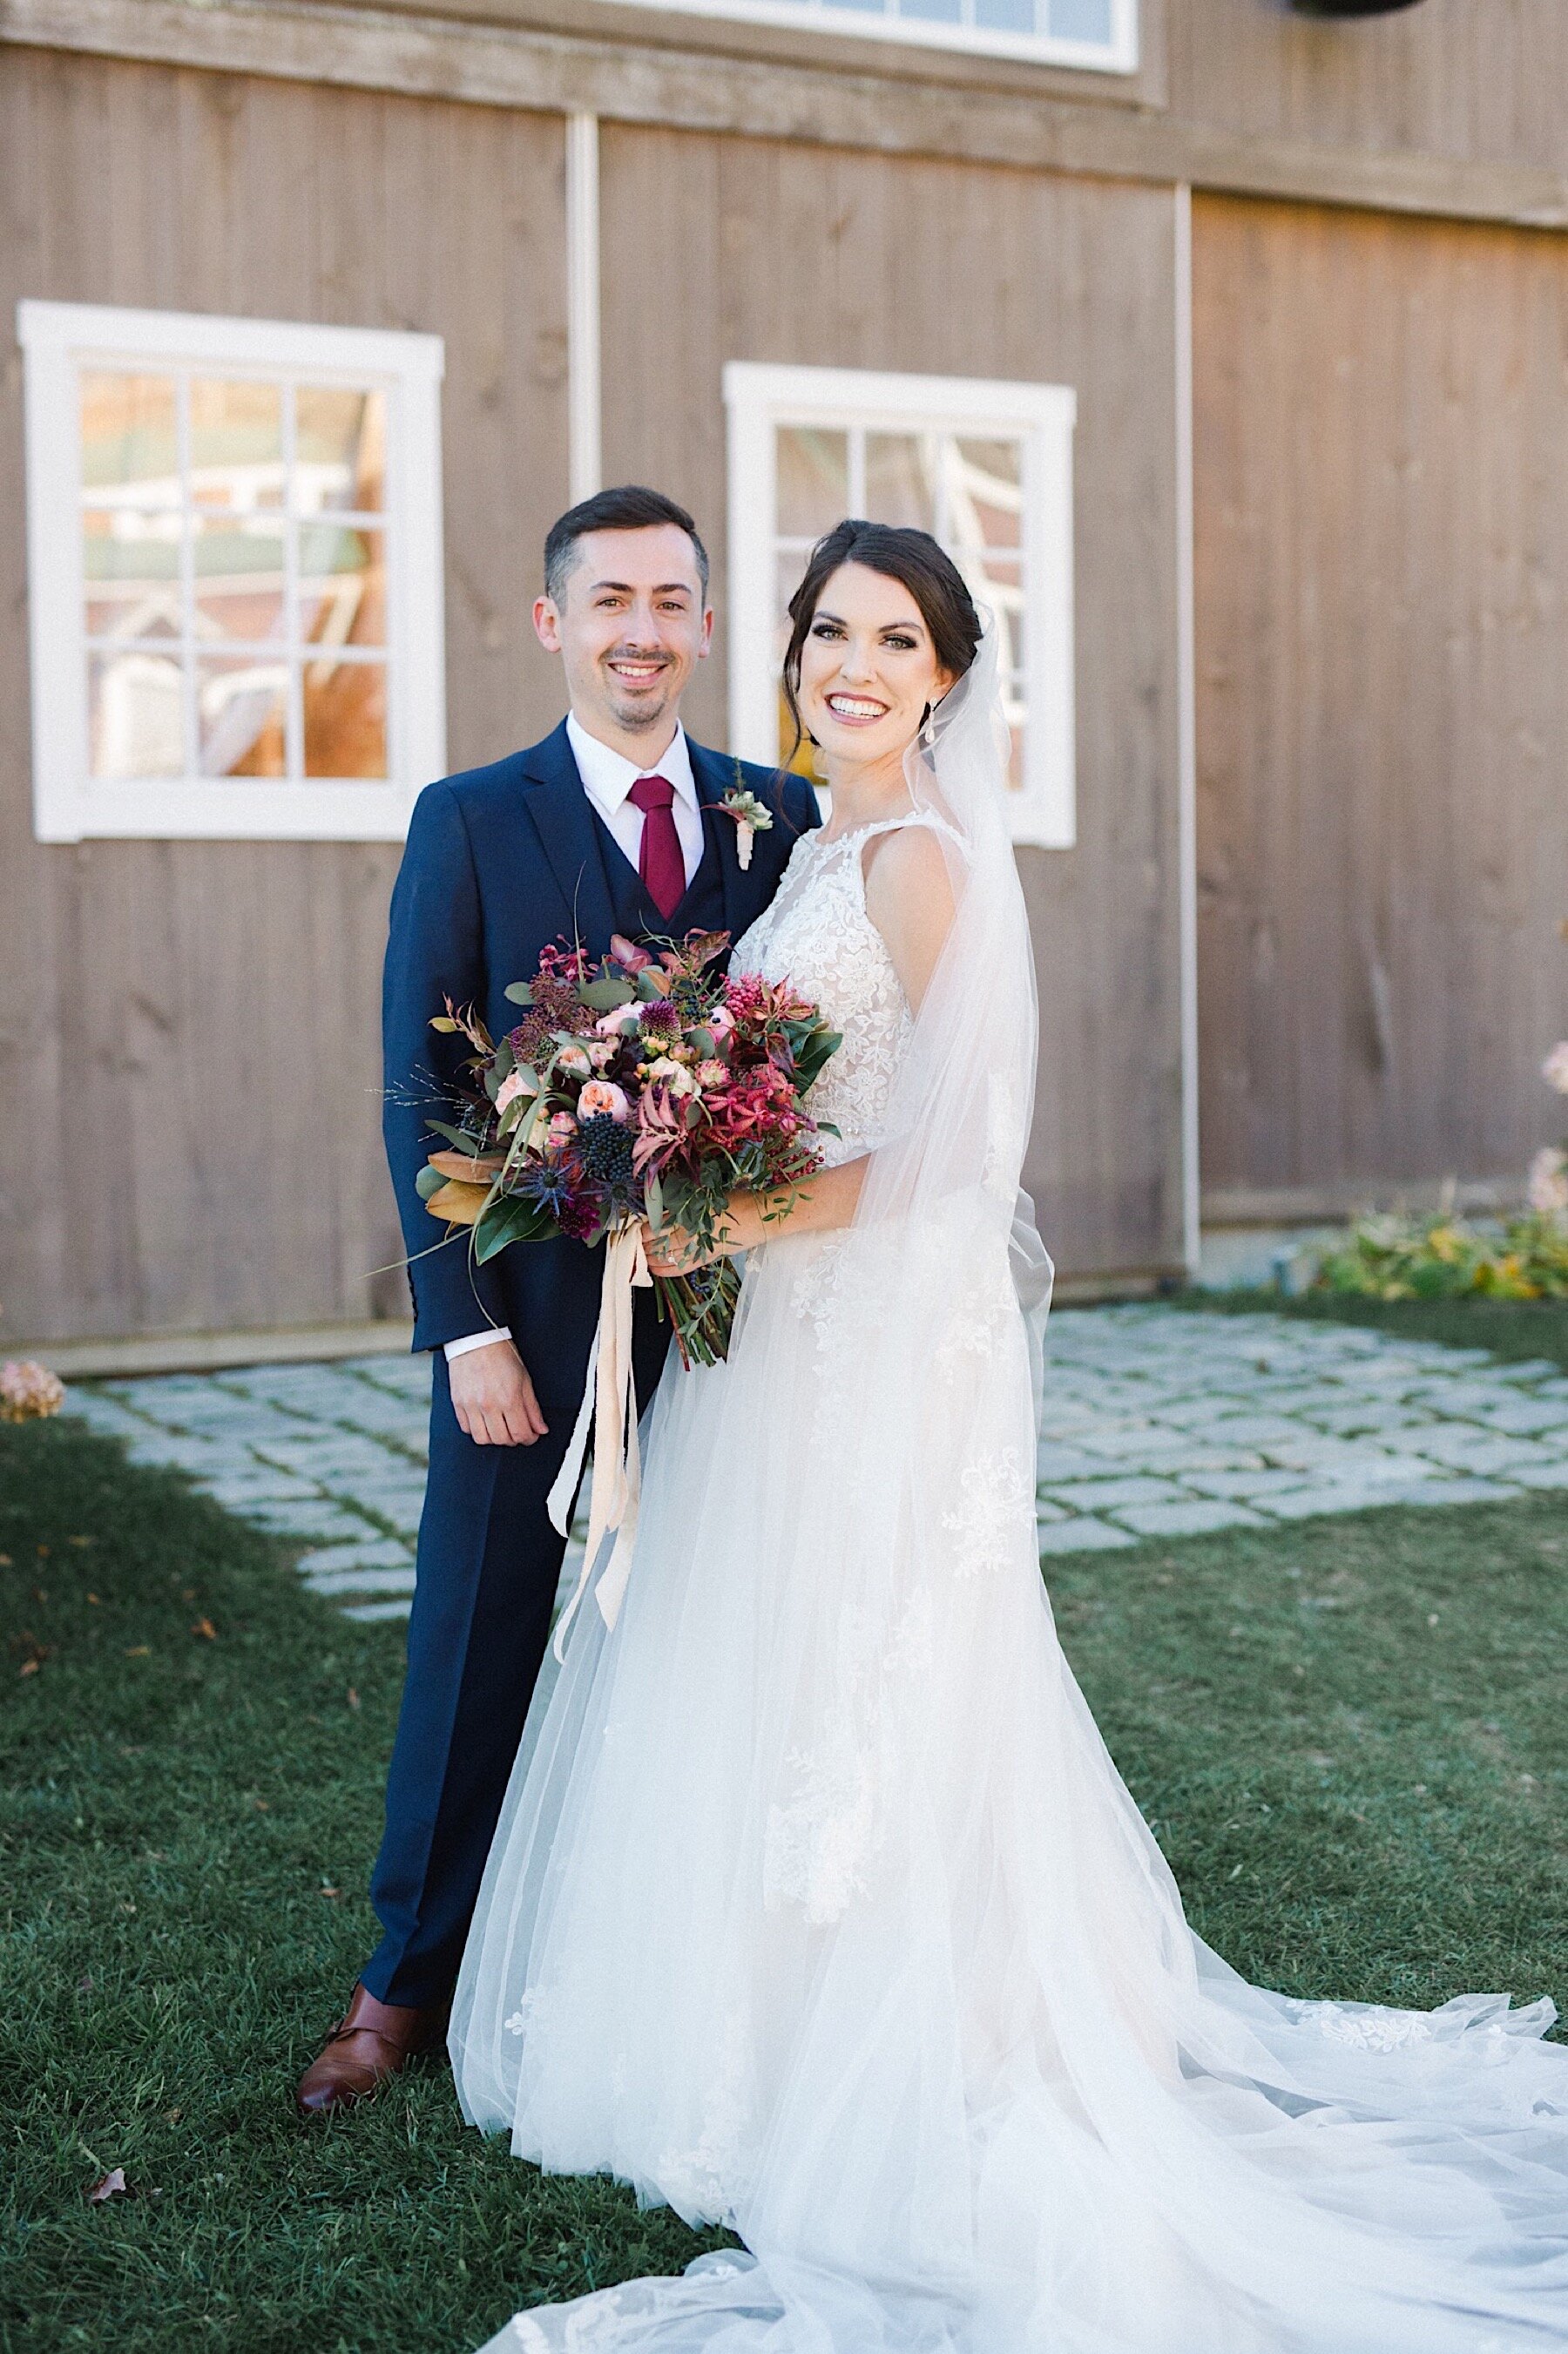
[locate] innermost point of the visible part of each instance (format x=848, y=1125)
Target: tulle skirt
x=818, y=1909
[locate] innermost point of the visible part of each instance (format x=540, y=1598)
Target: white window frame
x=60, y=340
x=760, y=399
x=1119, y=56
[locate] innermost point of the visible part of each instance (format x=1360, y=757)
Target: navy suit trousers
x=489, y=1564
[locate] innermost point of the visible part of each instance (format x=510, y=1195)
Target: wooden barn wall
x=1382, y=416
x=848, y=260
x=1479, y=82
x=189, y=1057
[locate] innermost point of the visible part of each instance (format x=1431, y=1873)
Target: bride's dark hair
x=900, y=553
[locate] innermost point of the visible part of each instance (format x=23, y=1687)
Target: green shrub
x=1443, y=1258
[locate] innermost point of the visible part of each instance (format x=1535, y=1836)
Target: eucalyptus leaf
x=458, y=1138
x=603, y=996
x=517, y=992
x=428, y=1181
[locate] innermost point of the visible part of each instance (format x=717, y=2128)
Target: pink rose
x=618, y=1021
x=560, y=1132
x=1555, y=1070
x=601, y=1096
x=720, y=1021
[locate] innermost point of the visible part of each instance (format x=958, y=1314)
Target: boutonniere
x=751, y=817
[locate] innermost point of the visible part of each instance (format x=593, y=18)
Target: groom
x=612, y=824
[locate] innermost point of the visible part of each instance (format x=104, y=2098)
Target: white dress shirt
x=608, y=779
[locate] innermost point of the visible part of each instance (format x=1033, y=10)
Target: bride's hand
x=672, y=1251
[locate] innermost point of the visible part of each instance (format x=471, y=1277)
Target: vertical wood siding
x=718, y=249
x=1383, y=699
x=189, y=1053
x=1479, y=81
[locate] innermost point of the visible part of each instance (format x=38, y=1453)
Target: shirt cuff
x=473, y=1341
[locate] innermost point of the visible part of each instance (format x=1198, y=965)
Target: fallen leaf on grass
x=333, y=1892
x=353, y=1697
x=79, y=1541
x=206, y=1630
x=38, y=1594
x=4, y=1561
x=34, y=1653
x=111, y=2186
x=140, y=1652
x=93, y=1599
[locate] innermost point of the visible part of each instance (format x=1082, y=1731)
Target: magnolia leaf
x=517, y=992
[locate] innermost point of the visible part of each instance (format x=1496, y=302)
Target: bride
x=817, y=1907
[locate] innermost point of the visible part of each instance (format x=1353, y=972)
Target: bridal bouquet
x=648, y=1085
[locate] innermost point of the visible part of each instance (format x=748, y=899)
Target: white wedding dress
x=818, y=1908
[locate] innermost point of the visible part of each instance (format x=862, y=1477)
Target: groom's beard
x=643, y=706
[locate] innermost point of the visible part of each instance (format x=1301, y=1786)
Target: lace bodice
x=816, y=933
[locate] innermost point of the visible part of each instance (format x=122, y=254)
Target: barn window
x=1099, y=34
x=234, y=575
x=986, y=467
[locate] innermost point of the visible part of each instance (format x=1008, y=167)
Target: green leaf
x=650, y=985
x=654, y=1198
x=505, y=1221
x=428, y=1181
x=458, y=1138
x=445, y=1024
x=517, y=992
x=603, y=996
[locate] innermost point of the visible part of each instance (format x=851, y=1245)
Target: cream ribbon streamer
x=610, y=1406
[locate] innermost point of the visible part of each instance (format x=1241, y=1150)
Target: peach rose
x=601, y=1096
x=574, y=1060
x=513, y=1085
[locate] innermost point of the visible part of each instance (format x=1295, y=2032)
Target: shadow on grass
x=1348, y=1733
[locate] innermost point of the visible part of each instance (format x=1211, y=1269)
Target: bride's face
x=868, y=668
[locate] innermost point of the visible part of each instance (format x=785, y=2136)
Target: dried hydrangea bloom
x=28, y=1391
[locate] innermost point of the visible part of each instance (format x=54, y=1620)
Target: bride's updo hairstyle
x=900, y=553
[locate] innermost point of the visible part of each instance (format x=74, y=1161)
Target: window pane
x=237, y=445
x=129, y=437
x=239, y=577
x=130, y=567
x=343, y=587
x=939, y=12
x=1005, y=15
x=1082, y=20
x=240, y=718
x=135, y=720
x=340, y=449
x=987, y=485
x=813, y=480
x=900, y=479
x=346, y=719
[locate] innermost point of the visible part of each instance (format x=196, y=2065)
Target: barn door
x=1382, y=588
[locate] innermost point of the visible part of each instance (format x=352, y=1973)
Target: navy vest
x=701, y=910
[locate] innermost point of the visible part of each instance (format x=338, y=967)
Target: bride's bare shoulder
x=909, y=898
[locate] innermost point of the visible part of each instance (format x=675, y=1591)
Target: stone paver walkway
x=1159, y=1423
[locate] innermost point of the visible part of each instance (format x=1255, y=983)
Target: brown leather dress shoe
x=371, y=2042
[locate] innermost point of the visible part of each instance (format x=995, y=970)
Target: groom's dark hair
x=629, y=508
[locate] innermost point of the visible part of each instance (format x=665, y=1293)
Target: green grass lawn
x=1348, y=1733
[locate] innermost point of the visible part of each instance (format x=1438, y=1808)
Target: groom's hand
x=493, y=1398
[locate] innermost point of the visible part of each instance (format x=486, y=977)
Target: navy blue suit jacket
x=500, y=861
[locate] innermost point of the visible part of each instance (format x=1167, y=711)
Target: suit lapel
x=564, y=820
x=713, y=778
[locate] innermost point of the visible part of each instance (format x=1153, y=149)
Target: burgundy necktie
x=660, y=862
